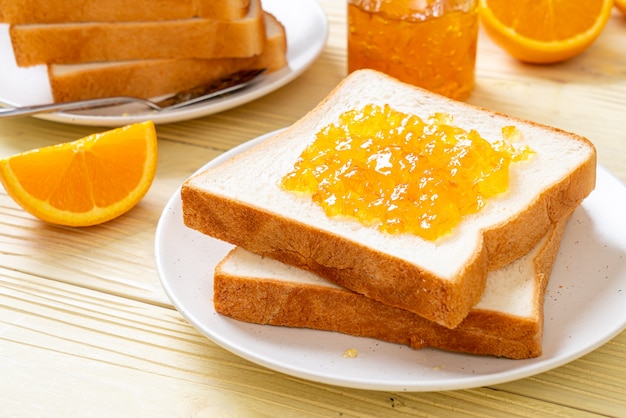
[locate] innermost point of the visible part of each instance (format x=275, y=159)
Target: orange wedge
x=85, y=182
x=621, y=6
x=544, y=31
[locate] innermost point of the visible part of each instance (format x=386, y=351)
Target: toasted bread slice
x=46, y=11
x=507, y=322
x=74, y=43
x=151, y=78
x=242, y=202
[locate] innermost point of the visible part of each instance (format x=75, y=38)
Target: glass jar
x=428, y=43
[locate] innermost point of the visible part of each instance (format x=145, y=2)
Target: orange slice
x=621, y=6
x=544, y=31
x=85, y=182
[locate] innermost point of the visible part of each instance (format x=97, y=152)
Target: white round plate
x=306, y=26
x=584, y=308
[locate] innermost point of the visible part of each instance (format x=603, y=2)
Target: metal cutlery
x=226, y=85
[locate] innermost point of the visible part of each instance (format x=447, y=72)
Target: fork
x=228, y=84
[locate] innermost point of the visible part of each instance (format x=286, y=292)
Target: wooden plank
x=108, y=355
x=116, y=257
x=594, y=383
x=86, y=329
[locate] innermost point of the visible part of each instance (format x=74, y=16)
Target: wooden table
x=87, y=330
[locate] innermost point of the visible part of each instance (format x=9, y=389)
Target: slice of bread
x=73, y=43
x=46, y=11
x=507, y=322
x=152, y=78
x=241, y=202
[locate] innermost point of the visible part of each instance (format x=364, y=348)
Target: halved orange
x=84, y=182
x=544, y=31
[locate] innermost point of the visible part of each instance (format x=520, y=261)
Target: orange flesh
x=547, y=17
x=400, y=173
x=92, y=173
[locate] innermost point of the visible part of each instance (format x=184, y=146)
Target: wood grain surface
x=87, y=330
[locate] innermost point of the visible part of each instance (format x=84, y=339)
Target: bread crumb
x=350, y=353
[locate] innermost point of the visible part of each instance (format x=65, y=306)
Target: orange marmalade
x=431, y=44
x=403, y=174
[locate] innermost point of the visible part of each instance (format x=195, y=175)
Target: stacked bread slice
x=479, y=289
x=506, y=322
x=98, y=48
x=43, y=11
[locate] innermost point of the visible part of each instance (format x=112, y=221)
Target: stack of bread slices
x=103, y=48
x=479, y=289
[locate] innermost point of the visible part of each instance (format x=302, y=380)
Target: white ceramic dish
x=584, y=308
x=306, y=26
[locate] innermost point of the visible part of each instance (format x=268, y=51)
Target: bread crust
x=505, y=243
x=489, y=332
x=46, y=11
x=348, y=264
x=274, y=302
x=355, y=315
x=365, y=270
x=374, y=274
x=120, y=41
x=152, y=78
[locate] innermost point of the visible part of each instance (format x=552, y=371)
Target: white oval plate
x=306, y=26
x=584, y=308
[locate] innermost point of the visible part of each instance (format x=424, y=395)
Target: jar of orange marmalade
x=428, y=43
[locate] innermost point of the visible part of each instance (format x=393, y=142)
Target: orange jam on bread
x=401, y=173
